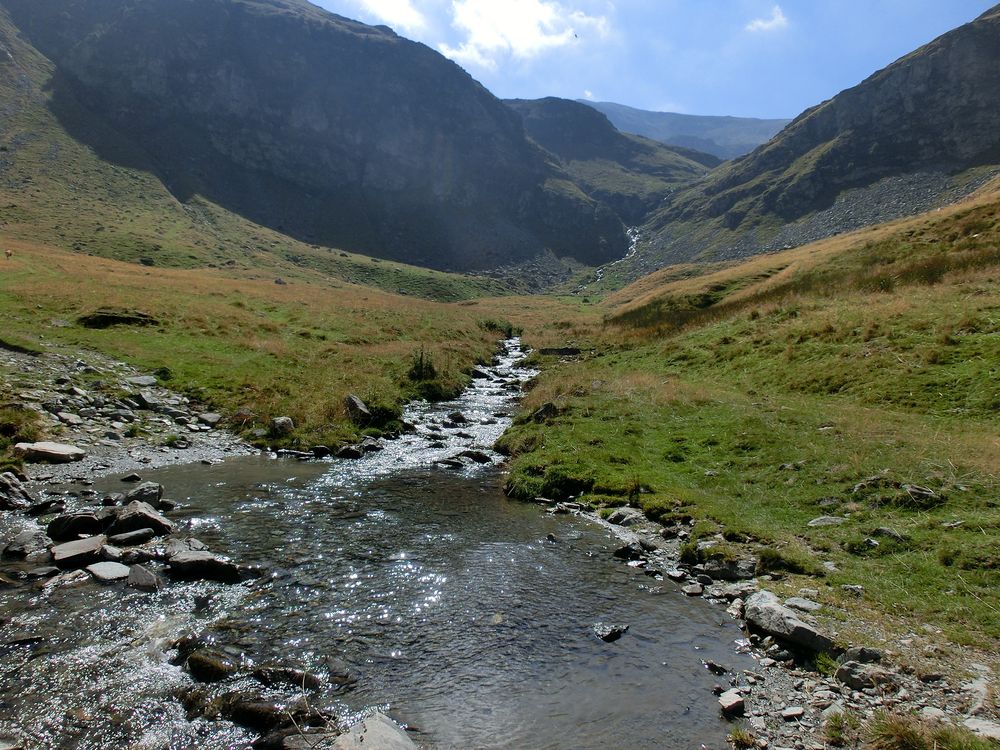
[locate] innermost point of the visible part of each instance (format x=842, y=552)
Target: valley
x=776, y=373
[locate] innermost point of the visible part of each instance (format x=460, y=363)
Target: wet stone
x=78, y=554
x=207, y=665
x=108, y=572
x=609, y=632
x=143, y=578
x=131, y=538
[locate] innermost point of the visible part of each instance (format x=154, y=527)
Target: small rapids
x=408, y=585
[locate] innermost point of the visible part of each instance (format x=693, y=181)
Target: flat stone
x=132, y=538
x=80, y=553
x=56, y=453
x=792, y=713
x=143, y=578
x=732, y=704
x=694, y=589
x=802, y=604
x=210, y=418
x=143, y=381
x=827, y=521
x=108, y=572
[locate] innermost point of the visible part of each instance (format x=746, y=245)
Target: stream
x=410, y=586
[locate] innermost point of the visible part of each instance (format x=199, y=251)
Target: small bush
x=825, y=664
x=841, y=729
x=741, y=738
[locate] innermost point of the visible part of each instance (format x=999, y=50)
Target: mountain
x=325, y=129
x=724, y=137
x=630, y=173
x=911, y=137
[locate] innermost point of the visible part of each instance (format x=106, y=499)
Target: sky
x=751, y=58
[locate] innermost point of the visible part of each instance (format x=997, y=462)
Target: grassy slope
x=757, y=396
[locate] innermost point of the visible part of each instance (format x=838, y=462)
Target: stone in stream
x=350, y=452
x=143, y=578
x=320, y=451
x=609, y=632
x=207, y=665
x=203, y=565
x=45, y=507
x=457, y=417
x=478, y=456
x=297, y=678
x=357, y=410
x=28, y=544
x=630, y=551
x=132, y=478
x=56, y=453
x=80, y=553
x=693, y=589
x=139, y=515
x=478, y=373
x=765, y=612
x=13, y=495
x=132, y=538
x=147, y=492
x=108, y=572
x=72, y=526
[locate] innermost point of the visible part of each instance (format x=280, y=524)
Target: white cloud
x=522, y=29
x=401, y=15
x=778, y=20
x=588, y=94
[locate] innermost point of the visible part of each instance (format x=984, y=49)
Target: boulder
x=29, y=544
x=80, y=553
x=609, y=632
x=55, y=453
x=147, y=492
x=858, y=676
x=320, y=451
x=282, y=426
x=143, y=578
x=626, y=516
x=139, y=515
x=693, y=589
x=861, y=654
x=203, y=565
x=478, y=456
x=765, y=612
x=13, y=495
x=210, y=418
x=731, y=703
x=478, y=373
x=72, y=526
x=108, y=572
x=357, y=410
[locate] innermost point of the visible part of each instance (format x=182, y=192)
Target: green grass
x=796, y=379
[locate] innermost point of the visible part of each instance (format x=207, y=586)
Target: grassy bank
x=250, y=346
x=856, y=378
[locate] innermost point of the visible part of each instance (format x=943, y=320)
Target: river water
x=462, y=614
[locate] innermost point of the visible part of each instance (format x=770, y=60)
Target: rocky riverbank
x=810, y=690
x=118, y=418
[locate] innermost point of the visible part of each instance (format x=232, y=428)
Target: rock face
x=765, y=611
x=933, y=110
x=322, y=127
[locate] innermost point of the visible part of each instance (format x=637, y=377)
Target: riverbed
x=408, y=585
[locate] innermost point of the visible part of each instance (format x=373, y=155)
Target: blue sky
x=754, y=58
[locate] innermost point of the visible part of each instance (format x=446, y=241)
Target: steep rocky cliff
x=630, y=173
x=934, y=111
x=325, y=128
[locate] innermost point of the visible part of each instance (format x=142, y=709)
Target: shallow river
x=449, y=604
